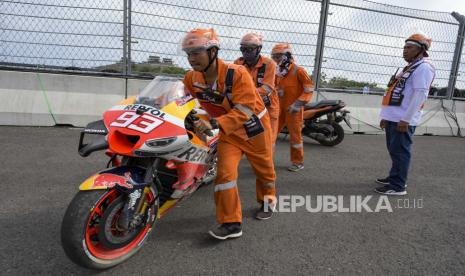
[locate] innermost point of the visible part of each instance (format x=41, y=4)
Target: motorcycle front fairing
x=153, y=126
x=99, y=131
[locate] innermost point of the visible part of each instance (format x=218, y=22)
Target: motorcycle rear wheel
x=335, y=137
x=90, y=213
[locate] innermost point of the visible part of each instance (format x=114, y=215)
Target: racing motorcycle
x=326, y=131
x=157, y=159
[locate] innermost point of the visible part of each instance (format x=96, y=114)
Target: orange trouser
x=258, y=151
x=294, y=123
x=274, y=129
x=273, y=113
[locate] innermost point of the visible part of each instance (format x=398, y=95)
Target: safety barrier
x=440, y=117
x=44, y=99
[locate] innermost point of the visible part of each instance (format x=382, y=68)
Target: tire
x=336, y=137
x=89, y=211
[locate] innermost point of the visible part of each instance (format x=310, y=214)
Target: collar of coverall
x=220, y=67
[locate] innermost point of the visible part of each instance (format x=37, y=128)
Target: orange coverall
x=233, y=140
x=296, y=85
x=267, y=88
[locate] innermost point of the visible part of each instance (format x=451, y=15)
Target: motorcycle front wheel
x=90, y=235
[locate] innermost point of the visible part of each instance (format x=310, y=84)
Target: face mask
x=283, y=66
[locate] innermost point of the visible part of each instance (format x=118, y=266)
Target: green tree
x=340, y=82
x=145, y=68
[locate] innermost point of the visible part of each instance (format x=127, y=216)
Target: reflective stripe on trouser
x=294, y=123
x=259, y=153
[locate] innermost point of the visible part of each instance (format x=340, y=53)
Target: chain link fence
x=158, y=26
x=364, y=42
x=71, y=35
x=459, y=90
x=360, y=49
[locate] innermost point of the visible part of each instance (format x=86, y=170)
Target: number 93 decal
x=145, y=124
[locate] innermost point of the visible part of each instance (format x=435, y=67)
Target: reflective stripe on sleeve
x=261, y=114
x=244, y=109
x=268, y=89
x=308, y=89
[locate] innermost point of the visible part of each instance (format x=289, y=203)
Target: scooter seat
x=321, y=104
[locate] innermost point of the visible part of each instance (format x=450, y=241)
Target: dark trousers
x=399, y=146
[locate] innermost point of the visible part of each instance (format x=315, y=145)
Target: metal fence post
x=457, y=54
x=125, y=37
x=129, y=39
x=320, y=45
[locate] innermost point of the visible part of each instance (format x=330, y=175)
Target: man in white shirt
x=402, y=110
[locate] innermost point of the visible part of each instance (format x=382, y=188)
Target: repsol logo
x=193, y=154
x=145, y=108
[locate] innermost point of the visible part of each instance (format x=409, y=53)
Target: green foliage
x=110, y=70
x=173, y=70
x=145, y=68
x=340, y=82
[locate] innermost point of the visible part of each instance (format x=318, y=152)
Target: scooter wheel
x=334, y=138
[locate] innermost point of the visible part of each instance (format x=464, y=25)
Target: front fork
x=136, y=204
x=134, y=209
x=115, y=160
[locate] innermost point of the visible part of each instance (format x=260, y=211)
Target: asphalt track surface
x=41, y=170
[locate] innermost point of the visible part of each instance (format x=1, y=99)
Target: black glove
x=203, y=127
x=214, y=124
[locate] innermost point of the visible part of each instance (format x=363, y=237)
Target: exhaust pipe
x=316, y=136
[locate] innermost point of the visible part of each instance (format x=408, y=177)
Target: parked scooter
x=326, y=131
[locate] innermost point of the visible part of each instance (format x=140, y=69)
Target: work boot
x=226, y=231
x=295, y=167
x=265, y=213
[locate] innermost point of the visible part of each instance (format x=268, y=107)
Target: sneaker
x=263, y=214
x=295, y=167
x=386, y=190
x=382, y=181
x=226, y=231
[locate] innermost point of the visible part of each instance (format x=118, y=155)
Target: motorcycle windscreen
x=167, y=94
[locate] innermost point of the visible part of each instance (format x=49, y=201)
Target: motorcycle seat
x=321, y=104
